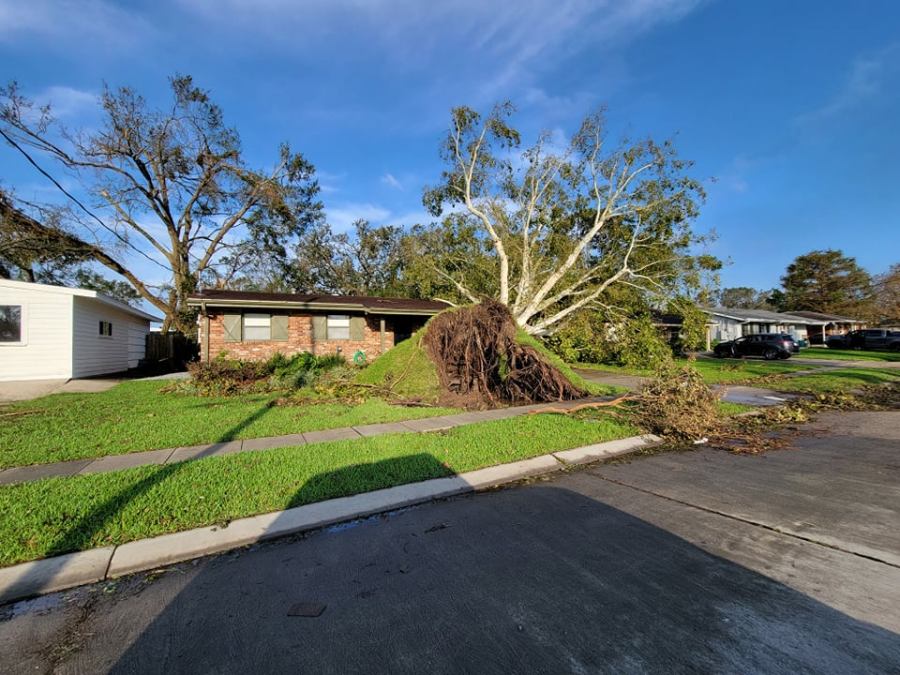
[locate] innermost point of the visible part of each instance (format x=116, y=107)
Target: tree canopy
x=887, y=294
x=745, y=297
x=170, y=187
x=549, y=231
x=827, y=281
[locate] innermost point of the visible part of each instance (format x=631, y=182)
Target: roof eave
x=293, y=304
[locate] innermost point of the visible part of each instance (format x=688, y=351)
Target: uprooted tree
x=480, y=359
x=169, y=189
x=559, y=227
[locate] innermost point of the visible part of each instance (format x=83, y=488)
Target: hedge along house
x=52, y=332
x=255, y=326
x=732, y=323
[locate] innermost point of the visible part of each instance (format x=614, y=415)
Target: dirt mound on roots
x=480, y=362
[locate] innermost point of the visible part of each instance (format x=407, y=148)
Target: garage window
x=338, y=327
x=257, y=326
x=105, y=329
x=11, y=324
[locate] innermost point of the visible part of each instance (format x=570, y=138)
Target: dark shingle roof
x=312, y=300
x=830, y=318
x=762, y=315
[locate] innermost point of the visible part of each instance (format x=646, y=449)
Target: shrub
x=590, y=338
x=639, y=344
x=583, y=339
x=224, y=376
x=693, y=326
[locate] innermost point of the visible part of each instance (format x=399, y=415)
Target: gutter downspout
x=204, y=328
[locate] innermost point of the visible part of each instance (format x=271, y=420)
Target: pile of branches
x=480, y=362
x=678, y=404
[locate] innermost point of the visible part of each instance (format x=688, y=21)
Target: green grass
x=834, y=380
x=847, y=355
x=59, y=515
x=593, y=388
x=729, y=409
x=714, y=372
x=136, y=416
x=406, y=369
x=418, y=378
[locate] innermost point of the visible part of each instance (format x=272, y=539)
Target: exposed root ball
x=479, y=361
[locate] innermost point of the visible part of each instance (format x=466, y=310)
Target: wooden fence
x=168, y=352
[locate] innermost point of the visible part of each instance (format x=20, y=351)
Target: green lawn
x=847, y=355
x=136, y=416
x=834, y=380
x=715, y=372
x=729, y=409
x=58, y=515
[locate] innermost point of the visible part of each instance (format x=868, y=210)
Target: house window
x=257, y=326
x=105, y=329
x=338, y=327
x=11, y=323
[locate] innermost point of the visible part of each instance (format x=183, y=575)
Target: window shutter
x=357, y=328
x=320, y=328
x=232, y=325
x=280, y=327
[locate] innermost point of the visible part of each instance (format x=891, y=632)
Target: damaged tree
x=563, y=223
x=171, y=186
x=480, y=361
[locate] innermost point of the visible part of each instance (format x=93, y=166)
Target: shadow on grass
x=82, y=534
x=231, y=433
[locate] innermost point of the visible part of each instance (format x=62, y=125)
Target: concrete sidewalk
x=26, y=474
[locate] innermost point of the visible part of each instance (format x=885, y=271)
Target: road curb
x=75, y=569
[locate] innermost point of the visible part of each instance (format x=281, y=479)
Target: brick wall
x=300, y=339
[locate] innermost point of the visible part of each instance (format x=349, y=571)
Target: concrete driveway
x=733, y=393
x=691, y=562
x=25, y=390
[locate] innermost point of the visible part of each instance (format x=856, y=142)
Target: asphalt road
x=788, y=562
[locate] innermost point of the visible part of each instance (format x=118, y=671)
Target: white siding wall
x=137, y=341
x=725, y=329
x=47, y=350
x=95, y=354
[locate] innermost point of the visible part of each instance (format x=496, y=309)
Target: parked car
x=869, y=338
x=798, y=342
x=767, y=345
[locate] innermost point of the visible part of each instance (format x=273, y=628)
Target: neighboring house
x=670, y=326
x=250, y=325
x=833, y=325
x=731, y=323
x=52, y=332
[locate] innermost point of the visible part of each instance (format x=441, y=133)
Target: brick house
x=251, y=325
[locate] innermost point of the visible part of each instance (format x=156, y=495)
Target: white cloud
x=342, y=216
x=85, y=23
x=67, y=101
x=329, y=182
x=866, y=81
x=504, y=45
x=391, y=181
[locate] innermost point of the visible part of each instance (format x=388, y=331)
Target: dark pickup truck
x=869, y=338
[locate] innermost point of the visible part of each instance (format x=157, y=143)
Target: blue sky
x=792, y=107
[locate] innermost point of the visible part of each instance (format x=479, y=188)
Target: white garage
x=53, y=332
